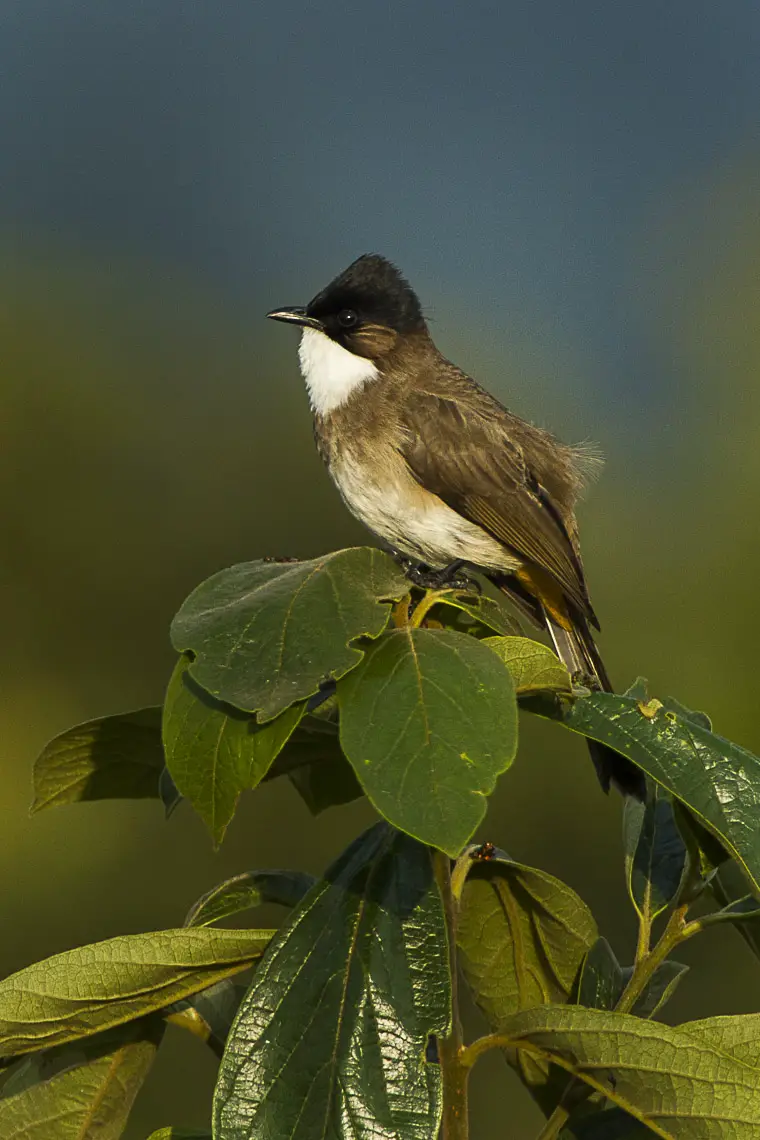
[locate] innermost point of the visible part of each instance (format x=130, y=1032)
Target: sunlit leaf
x=84, y=991
x=114, y=757
x=717, y=780
x=268, y=634
x=81, y=1091
x=534, y=667
x=330, y=1040
x=699, y=1080
x=429, y=721
x=522, y=936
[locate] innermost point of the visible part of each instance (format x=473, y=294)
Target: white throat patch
x=331, y=372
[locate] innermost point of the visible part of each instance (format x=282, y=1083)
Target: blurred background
x=574, y=191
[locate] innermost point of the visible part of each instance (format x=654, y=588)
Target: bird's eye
x=348, y=319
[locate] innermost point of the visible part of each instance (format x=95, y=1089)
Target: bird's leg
x=447, y=578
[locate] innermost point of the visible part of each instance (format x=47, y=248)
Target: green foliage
x=83, y=991
x=429, y=767
x=344, y=1039
x=718, y=781
x=267, y=634
x=655, y=854
x=83, y=1091
x=114, y=757
x=340, y=676
x=694, y=1080
x=247, y=891
x=214, y=751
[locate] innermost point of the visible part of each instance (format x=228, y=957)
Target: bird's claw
x=447, y=578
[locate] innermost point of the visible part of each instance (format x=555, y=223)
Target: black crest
x=373, y=288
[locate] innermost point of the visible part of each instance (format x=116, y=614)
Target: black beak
x=295, y=316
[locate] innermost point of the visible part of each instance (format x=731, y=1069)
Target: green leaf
x=534, y=667
x=330, y=1040
x=82, y=1092
x=249, y=890
x=658, y=990
x=428, y=721
x=477, y=615
x=214, y=751
x=114, y=757
x=739, y=1037
x=654, y=853
x=694, y=1081
x=601, y=979
x=717, y=780
x=268, y=634
x=92, y=988
x=522, y=936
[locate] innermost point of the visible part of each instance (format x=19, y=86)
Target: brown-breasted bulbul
x=438, y=469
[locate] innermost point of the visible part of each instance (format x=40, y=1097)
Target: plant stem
x=455, y=1125
x=676, y=931
x=555, y=1123
x=431, y=598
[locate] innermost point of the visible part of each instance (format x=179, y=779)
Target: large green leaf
x=92, y=988
x=737, y=1036
x=214, y=751
x=522, y=936
x=83, y=1091
x=654, y=853
x=534, y=667
x=696, y=1081
x=428, y=721
x=719, y=781
x=248, y=890
x=114, y=757
x=330, y=1040
x=268, y=634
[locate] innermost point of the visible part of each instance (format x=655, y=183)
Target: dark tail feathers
x=577, y=650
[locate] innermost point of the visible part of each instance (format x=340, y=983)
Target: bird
x=445, y=475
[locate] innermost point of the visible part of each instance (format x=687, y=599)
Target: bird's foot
x=447, y=578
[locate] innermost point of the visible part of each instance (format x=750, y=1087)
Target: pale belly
x=416, y=522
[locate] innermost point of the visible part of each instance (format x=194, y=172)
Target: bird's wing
x=469, y=458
